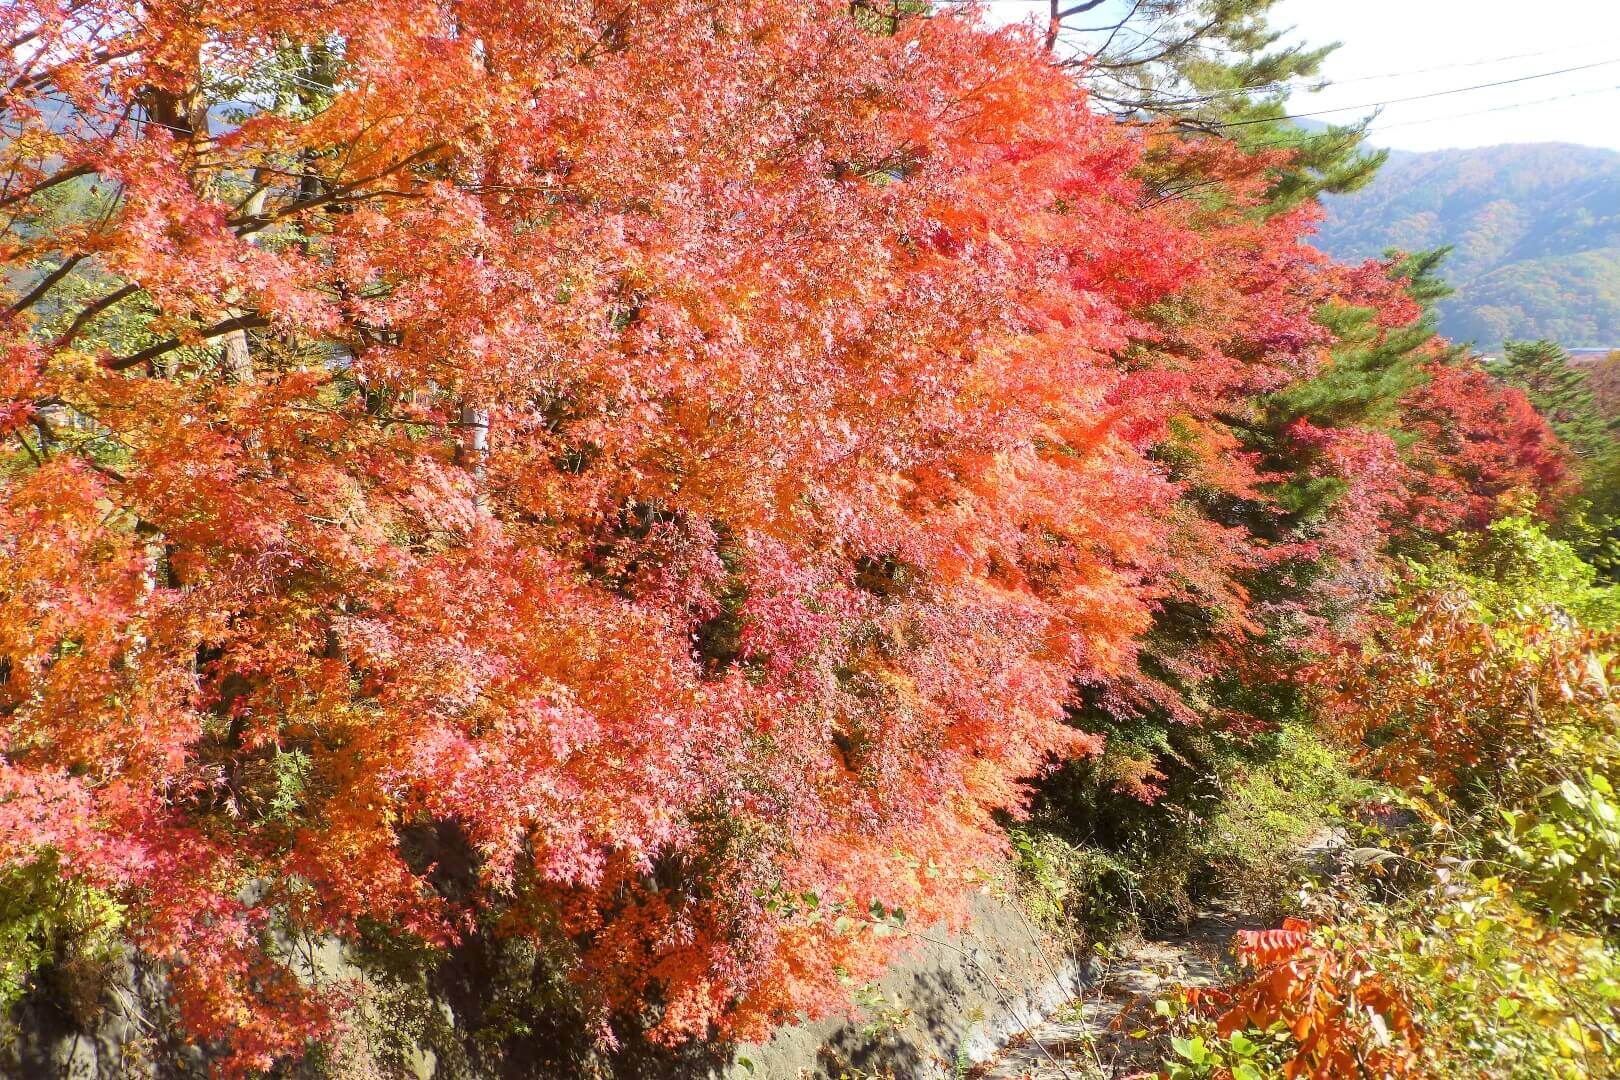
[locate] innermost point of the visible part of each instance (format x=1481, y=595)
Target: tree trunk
x=474, y=446
x=238, y=361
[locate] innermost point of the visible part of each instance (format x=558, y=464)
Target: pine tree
x=1374, y=364
x=1216, y=69
x=1563, y=394
x=1560, y=391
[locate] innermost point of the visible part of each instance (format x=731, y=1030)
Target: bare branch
x=252, y=223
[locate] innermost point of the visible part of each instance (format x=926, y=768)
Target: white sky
x=1392, y=48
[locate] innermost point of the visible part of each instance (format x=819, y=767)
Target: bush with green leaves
x=1275, y=806
x=1092, y=861
x=1565, y=849
x=1516, y=571
x=1072, y=890
x=1494, y=989
x=1242, y=1055
x=55, y=934
x=1455, y=980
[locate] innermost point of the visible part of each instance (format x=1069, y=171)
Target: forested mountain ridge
x=1534, y=228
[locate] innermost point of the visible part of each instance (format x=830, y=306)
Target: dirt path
x=1090, y=1040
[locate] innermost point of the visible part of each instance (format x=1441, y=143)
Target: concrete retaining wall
x=951, y=1001
x=950, y=1004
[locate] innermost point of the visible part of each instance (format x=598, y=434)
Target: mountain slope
x=1535, y=228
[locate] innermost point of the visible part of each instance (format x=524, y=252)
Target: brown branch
x=38, y=461
x=30, y=35
x=44, y=185
x=28, y=83
x=47, y=436
x=22, y=39
x=45, y=285
x=1056, y=13
x=249, y=224
x=84, y=317
x=162, y=348
x=1187, y=40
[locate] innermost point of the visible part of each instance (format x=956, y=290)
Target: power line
x=1080, y=47
x=1311, y=85
x=1332, y=136
x=1418, y=97
x=1453, y=67
x=1354, y=136
x=109, y=114
x=288, y=76
x=1503, y=108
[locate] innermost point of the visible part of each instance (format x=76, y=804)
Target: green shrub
x=1071, y=890
x=1516, y=571
x=1566, y=850
x=56, y=935
x=1302, y=788
x=1497, y=992
x=1456, y=980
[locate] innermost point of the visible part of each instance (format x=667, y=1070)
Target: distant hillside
x=1536, y=230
